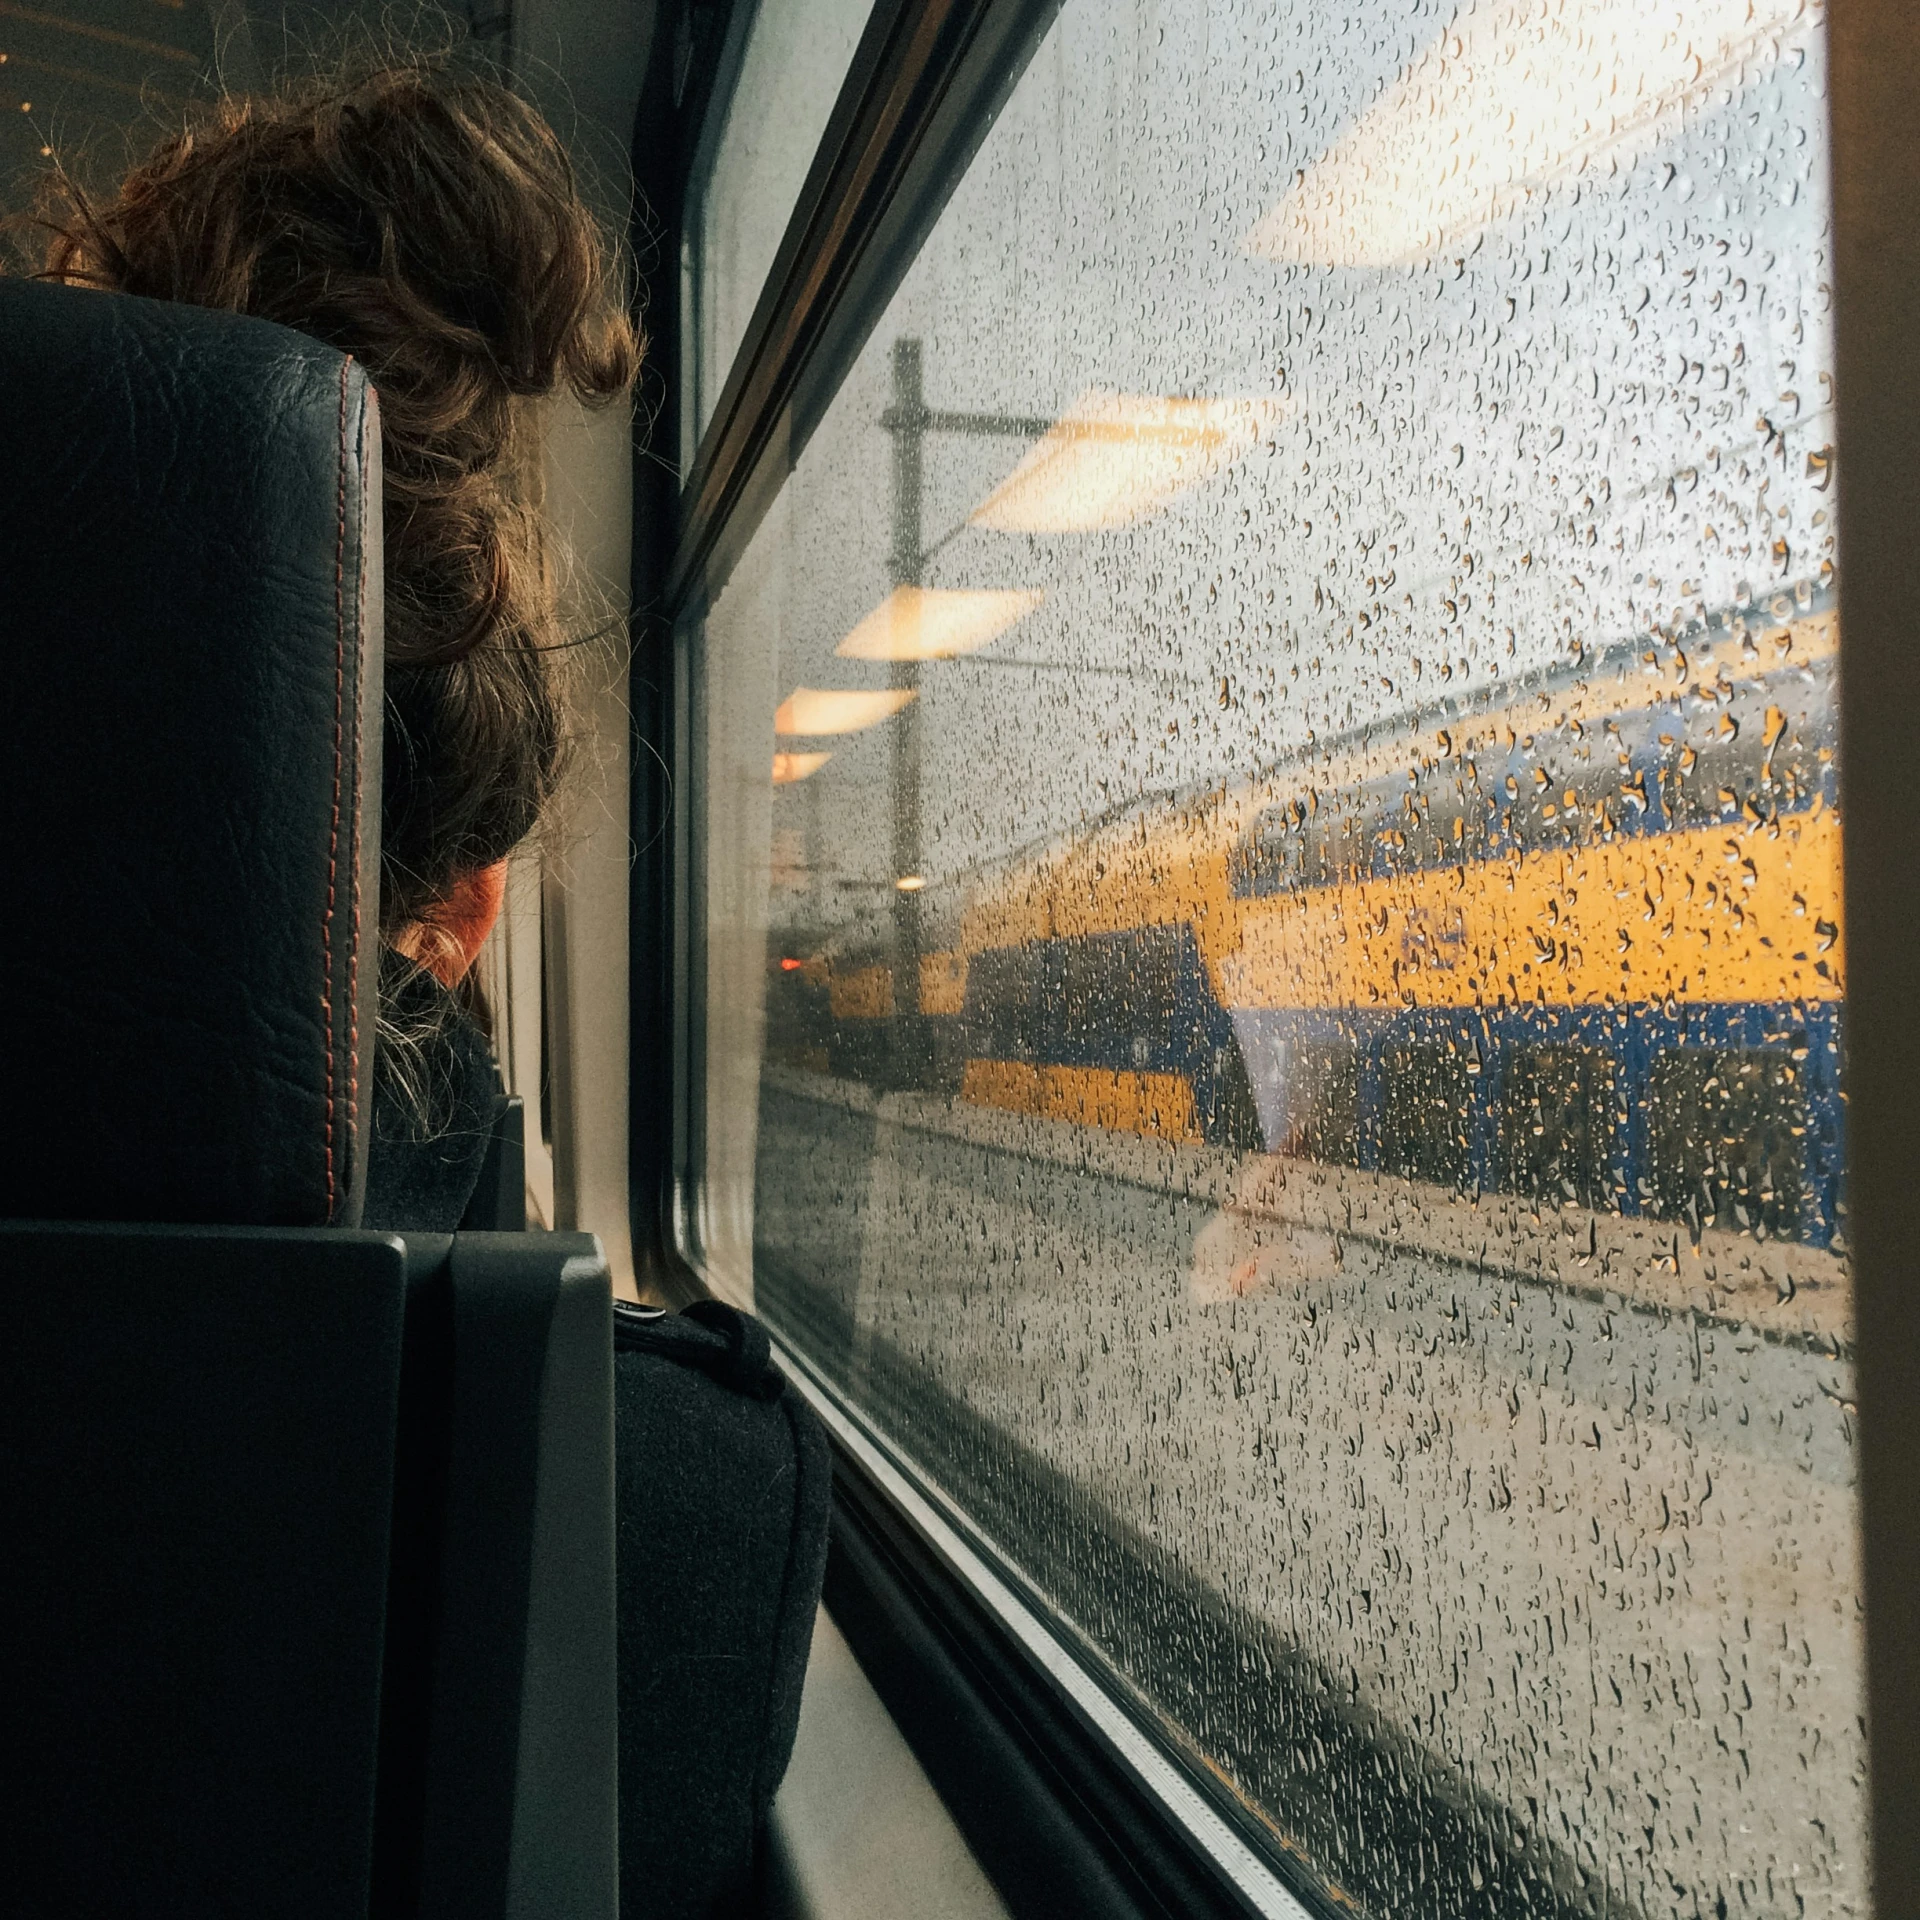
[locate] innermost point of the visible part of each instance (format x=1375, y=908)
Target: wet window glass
x=1270, y=999
x=795, y=56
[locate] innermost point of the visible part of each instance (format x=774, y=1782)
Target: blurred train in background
x=1579, y=945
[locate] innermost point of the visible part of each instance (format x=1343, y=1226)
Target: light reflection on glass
x=820, y=710
x=936, y=623
x=1116, y=457
x=790, y=767
x=1513, y=98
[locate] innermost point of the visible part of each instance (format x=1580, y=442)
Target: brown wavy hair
x=426, y=220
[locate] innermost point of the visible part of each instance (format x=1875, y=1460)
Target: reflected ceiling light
x=812, y=710
x=1114, y=457
x=936, y=623
x=1511, y=99
x=911, y=882
x=789, y=767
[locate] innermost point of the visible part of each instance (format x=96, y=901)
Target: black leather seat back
x=190, y=626
x=309, y=1606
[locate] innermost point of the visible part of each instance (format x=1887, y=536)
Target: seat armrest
x=314, y=1537
x=520, y=1814
x=197, y=1445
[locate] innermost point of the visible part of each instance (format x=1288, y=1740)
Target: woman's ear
x=464, y=920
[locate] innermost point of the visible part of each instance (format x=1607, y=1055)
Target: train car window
x=1121, y=992
x=1316, y=1085
x=1426, y=1109
x=1724, y=1139
x=1557, y=1128
x=1266, y=976
x=1000, y=1004
x=96, y=91
x=514, y=975
x=791, y=56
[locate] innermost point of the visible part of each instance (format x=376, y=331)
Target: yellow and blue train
x=1583, y=945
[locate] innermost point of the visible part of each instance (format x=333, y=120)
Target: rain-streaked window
x=1270, y=990
x=794, y=56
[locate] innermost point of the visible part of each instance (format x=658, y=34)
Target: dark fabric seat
x=197, y=1446
x=725, y=1483
x=311, y=1595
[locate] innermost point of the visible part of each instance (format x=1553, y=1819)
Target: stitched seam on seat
x=333, y=843
x=359, y=792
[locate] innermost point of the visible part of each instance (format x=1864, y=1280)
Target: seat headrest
x=190, y=632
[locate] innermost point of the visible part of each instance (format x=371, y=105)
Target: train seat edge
x=252, y=1475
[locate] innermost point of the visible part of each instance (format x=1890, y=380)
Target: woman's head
x=427, y=221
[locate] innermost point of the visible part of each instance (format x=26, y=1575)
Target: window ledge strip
x=1151, y=1771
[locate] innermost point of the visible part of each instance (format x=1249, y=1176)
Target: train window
x=791, y=57
x=1557, y=1124
x=1426, y=1107
x=1002, y=1001
x=95, y=99
x=1724, y=1139
x=1319, y=1091
x=1284, y=708
x=1119, y=995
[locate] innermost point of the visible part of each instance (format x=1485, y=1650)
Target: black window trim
x=1874, y=75
x=720, y=79
x=925, y=83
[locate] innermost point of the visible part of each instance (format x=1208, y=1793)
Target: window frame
x=1070, y=1805
x=945, y=1633
x=1874, y=54
x=926, y=80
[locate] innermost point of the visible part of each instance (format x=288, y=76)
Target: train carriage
x=1583, y=947
x=1193, y=738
